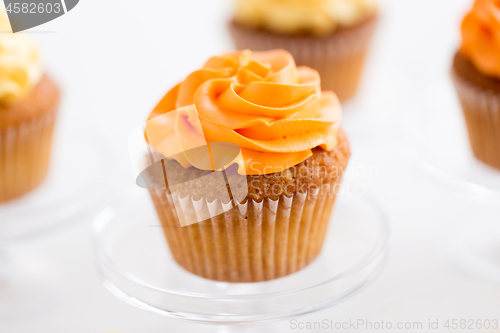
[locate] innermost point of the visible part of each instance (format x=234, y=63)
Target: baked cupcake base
x=26, y=131
x=339, y=58
x=480, y=99
x=266, y=237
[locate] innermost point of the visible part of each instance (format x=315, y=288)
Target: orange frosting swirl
x=274, y=111
x=481, y=36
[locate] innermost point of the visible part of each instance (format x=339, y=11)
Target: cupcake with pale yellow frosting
x=28, y=106
x=331, y=36
x=476, y=74
x=292, y=154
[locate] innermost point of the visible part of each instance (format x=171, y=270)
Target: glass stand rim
x=236, y=321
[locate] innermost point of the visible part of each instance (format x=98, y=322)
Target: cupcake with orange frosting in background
x=28, y=106
x=476, y=75
x=281, y=179
x=331, y=36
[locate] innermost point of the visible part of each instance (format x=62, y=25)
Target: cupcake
x=274, y=138
x=476, y=75
x=331, y=36
x=28, y=106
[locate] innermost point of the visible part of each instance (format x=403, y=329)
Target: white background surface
x=115, y=59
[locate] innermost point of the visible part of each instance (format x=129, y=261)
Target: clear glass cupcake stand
x=29, y=283
x=442, y=146
x=443, y=152
x=136, y=266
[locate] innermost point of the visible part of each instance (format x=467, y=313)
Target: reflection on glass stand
x=29, y=284
x=136, y=266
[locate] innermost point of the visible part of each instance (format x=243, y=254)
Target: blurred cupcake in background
x=28, y=105
x=476, y=75
x=331, y=36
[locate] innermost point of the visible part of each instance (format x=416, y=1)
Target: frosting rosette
x=274, y=111
x=481, y=36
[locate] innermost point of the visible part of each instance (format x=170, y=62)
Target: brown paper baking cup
x=24, y=155
x=481, y=109
x=339, y=58
x=251, y=242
